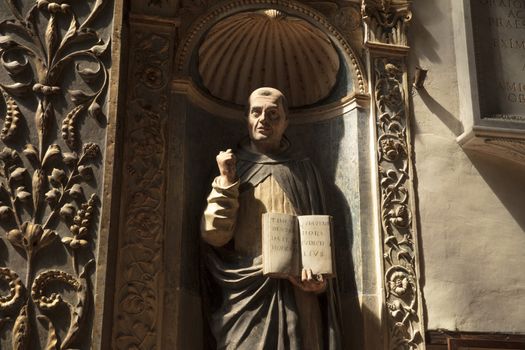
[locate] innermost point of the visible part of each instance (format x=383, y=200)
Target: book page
x=315, y=237
x=279, y=245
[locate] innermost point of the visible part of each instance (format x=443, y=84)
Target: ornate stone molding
x=205, y=21
x=386, y=39
x=139, y=294
x=54, y=77
x=489, y=83
x=515, y=148
x=398, y=229
x=326, y=112
x=502, y=143
x=386, y=23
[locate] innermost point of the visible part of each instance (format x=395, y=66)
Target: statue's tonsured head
x=267, y=115
x=269, y=92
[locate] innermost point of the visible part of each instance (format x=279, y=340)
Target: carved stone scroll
x=138, y=294
x=386, y=24
x=53, y=82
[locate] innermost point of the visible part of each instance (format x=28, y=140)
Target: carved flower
x=67, y=211
x=146, y=143
x=391, y=148
x=74, y=243
x=6, y=154
x=31, y=237
x=52, y=195
x=400, y=216
x=58, y=177
x=86, y=172
x=134, y=303
x=152, y=77
x=143, y=199
x=5, y=212
x=139, y=299
x=18, y=174
x=91, y=150
x=145, y=224
x=396, y=309
x=398, y=283
x=348, y=19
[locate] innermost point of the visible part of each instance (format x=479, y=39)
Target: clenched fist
x=227, y=163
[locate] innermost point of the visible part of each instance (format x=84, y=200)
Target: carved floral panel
x=54, y=70
x=398, y=228
x=138, y=295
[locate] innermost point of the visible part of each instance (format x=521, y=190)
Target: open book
x=291, y=243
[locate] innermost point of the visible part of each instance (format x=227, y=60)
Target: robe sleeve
x=219, y=217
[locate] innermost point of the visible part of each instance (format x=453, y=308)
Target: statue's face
x=266, y=120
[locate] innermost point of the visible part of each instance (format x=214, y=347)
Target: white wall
x=472, y=206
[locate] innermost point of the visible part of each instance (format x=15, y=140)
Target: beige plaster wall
x=472, y=206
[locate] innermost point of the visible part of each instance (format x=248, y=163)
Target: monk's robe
x=258, y=312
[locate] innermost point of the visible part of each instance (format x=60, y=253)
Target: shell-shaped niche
x=267, y=48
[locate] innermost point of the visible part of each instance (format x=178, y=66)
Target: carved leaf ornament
x=137, y=308
x=387, y=20
x=44, y=199
x=396, y=215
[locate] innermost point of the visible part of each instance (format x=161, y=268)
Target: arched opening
x=227, y=53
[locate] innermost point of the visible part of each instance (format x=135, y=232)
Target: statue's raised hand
x=227, y=163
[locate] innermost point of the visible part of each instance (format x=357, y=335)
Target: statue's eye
x=272, y=115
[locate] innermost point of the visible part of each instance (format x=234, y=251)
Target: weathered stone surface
x=54, y=76
x=471, y=204
x=140, y=270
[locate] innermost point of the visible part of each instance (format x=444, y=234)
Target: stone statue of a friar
x=254, y=311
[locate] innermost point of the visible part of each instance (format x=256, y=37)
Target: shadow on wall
x=422, y=41
x=447, y=118
x=4, y=254
x=327, y=144
x=505, y=178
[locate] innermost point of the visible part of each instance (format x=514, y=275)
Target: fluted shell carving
x=268, y=48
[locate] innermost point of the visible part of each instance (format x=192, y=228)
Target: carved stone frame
x=386, y=25
x=165, y=310
x=499, y=137
x=185, y=91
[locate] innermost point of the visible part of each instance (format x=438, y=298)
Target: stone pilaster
x=386, y=25
x=141, y=273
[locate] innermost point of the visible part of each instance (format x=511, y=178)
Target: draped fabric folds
x=255, y=312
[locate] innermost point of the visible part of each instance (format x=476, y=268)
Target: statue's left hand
x=309, y=282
